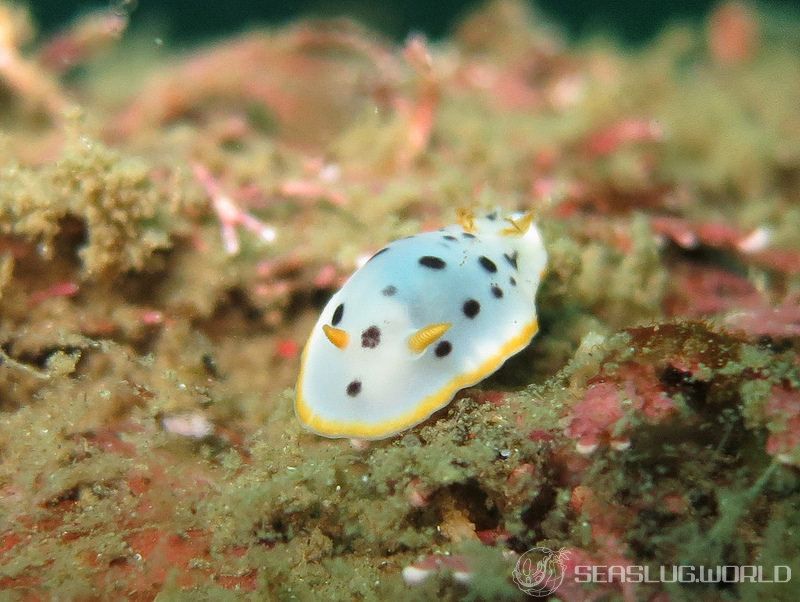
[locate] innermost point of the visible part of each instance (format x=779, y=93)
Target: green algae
x=109, y=193
x=98, y=496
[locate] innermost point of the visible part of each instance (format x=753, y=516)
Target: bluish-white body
x=470, y=294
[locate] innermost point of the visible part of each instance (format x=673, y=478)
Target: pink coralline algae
x=780, y=321
x=701, y=291
x=60, y=289
x=783, y=411
x=229, y=214
x=609, y=140
x=416, y=573
x=608, y=524
x=754, y=246
x=609, y=408
x=733, y=33
x=595, y=417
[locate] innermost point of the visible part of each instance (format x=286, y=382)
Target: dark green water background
x=634, y=21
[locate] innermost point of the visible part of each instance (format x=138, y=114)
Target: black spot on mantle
x=337, y=314
x=487, y=264
x=354, y=388
x=371, y=337
x=434, y=263
x=471, y=308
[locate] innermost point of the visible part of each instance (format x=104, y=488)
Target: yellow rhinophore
x=518, y=226
x=337, y=336
x=420, y=340
x=466, y=219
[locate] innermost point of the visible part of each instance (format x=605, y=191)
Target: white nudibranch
x=424, y=317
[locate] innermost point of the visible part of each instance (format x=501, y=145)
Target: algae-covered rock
x=166, y=247
x=107, y=199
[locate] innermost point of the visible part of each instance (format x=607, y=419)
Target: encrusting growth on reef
x=148, y=442
x=108, y=201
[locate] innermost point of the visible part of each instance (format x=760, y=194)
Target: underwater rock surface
x=172, y=223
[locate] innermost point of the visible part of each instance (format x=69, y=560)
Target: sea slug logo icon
x=540, y=571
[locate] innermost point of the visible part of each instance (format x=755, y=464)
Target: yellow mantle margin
x=433, y=402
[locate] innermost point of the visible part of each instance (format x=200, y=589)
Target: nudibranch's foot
x=360, y=444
